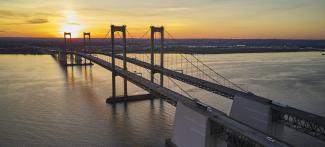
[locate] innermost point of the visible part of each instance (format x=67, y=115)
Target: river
x=43, y=104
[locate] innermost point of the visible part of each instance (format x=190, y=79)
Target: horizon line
x=313, y=39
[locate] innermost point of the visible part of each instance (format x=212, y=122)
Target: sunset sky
x=275, y=19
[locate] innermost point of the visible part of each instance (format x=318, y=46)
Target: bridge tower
x=68, y=49
x=153, y=31
x=78, y=60
x=125, y=97
x=87, y=45
x=67, y=46
x=123, y=30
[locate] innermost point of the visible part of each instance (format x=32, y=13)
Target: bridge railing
x=301, y=121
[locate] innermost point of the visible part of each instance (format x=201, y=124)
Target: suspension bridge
x=253, y=120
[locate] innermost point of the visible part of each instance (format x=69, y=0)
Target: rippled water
x=44, y=104
x=41, y=104
x=296, y=79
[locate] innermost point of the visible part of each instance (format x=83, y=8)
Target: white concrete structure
x=255, y=114
x=189, y=121
x=192, y=129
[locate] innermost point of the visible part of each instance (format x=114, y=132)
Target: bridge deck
x=214, y=114
x=314, y=124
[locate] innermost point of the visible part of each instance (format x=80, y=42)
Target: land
x=188, y=46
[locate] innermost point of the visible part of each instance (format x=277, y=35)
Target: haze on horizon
x=275, y=19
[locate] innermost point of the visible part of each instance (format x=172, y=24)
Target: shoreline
x=38, y=51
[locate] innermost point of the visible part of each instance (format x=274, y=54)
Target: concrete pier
x=257, y=114
x=196, y=127
x=190, y=128
x=78, y=60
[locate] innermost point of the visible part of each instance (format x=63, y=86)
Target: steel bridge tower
x=153, y=31
x=87, y=45
x=67, y=46
x=75, y=60
x=123, y=30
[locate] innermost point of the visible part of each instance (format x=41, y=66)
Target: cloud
x=37, y=21
x=6, y=13
x=139, y=12
x=45, y=14
x=30, y=21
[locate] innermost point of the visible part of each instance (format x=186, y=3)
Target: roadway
x=219, y=117
x=299, y=120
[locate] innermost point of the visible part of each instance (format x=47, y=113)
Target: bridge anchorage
x=66, y=55
x=253, y=120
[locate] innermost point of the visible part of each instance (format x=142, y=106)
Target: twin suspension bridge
x=253, y=120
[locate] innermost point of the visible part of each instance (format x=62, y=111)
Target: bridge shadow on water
x=151, y=117
x=139, y=123
x=79, y=81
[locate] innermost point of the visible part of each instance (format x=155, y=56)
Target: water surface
x=44, y=104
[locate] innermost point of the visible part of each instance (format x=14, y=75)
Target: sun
x=75, y=30
x=71, y=24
